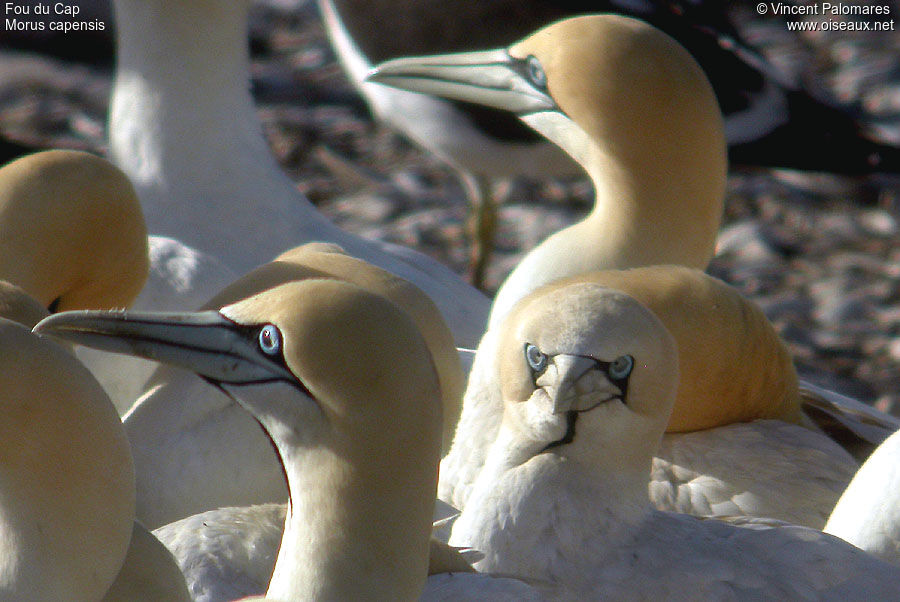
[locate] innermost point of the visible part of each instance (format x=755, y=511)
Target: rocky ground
x=819, y=253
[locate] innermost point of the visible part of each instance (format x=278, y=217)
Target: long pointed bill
x=574, y=383
x=204, y=342
x=492, y=78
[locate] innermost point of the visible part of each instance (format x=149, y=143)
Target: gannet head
x=596, y=85
x=733, y=365
x=68, y=496
x=588, y=373
x=71, y=231
x=344, y=384
x=325, y=260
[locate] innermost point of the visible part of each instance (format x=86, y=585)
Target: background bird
x=816, y=251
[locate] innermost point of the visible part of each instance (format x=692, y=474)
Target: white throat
x=536, y=519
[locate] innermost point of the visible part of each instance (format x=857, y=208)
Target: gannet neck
x=345, y=387
x=184, y=128
x=378, y=459
x=544, y=526
x=67, y=500
x=71, y=231
x=363, y=547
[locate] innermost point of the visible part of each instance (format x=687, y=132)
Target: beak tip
x=371, y=75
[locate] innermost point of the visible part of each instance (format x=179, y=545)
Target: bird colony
x=213, y=393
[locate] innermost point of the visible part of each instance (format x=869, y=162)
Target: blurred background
x=819, y=253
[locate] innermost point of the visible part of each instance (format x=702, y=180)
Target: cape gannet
x=868, y=513
x=195, y=449
x=632, y=107
x=67, y=495
x=73, y=237
x=769, y=121
x=344, y=384
x=184, y=129
x=737, y=443
x=636, y=111
x=71, y=231
x=590, y=377
x=625, y=101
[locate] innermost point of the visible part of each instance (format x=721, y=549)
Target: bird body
x=868, y=513
x=638, y=114
x=196, y=179
x=226, y=553
x=737, y=442
x=231, y=552
x=148, y=573
x=589, y=378
x=67, y=497
x=356, y=426
x=67, y=501
x=195, y=449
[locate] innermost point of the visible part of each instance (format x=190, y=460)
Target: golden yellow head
x=320, y=260
x=734, y=366
x=585, y=368
x=72, y=233
x=626, y=83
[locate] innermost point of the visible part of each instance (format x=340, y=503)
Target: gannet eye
x=621, y=367
x=270, y=339
x=535, y=72
x=536, y=359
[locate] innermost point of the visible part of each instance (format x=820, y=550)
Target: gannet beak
x=492, y=78
x=207, y=343
x=575, y=383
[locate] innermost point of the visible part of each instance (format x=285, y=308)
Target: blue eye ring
x=535, y=72
x=621, y=367
x=270, y=339
x=537, y=360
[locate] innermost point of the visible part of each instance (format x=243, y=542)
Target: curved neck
x=348, y=536
x=655, y=209
x=658, y=201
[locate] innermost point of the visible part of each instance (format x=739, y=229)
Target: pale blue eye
x=535, y=72
x=621, y=367
x=270, y=339
x=534, y=357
